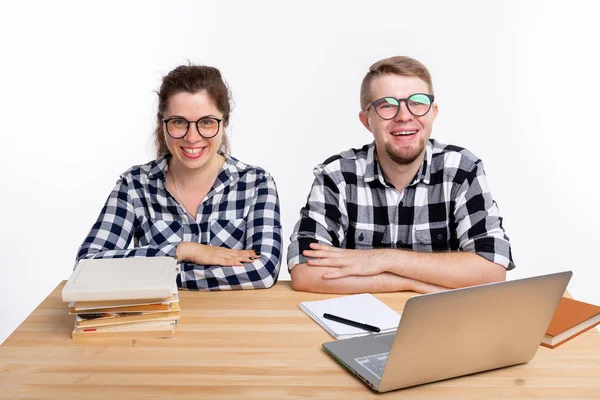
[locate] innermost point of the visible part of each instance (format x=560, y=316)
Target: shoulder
x=247, y=173
x=348, y=161
x=453, y=161
x=144, y=173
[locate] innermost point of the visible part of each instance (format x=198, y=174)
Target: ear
x=435, y=110
x=364, y=119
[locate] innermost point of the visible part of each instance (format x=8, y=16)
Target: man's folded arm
x=310, y=279
x=450, y=269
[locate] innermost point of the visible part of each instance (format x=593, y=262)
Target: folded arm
x=310, y=279
x=442, y=270
x=263, y=238
x=208, y=267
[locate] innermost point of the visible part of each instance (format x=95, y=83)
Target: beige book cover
x=133, y=326
x=103, y=319
x=148, y=308
x=121, y=279
x=165, y=331
x=92, y=305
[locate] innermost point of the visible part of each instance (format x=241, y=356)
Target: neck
x=399, y=175
x=190, y=177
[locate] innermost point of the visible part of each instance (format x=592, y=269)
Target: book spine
x=318, y=320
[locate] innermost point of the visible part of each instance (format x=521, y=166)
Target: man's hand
x=214, y=255
x=349, y=262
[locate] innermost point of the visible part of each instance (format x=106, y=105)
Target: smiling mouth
x=404, y=133
x=194, y=151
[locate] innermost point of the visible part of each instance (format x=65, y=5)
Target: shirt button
x=440, y=236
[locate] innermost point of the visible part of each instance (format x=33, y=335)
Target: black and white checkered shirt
x=241, y=212
x=446, y=207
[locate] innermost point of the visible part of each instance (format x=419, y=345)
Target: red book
x=570, y=319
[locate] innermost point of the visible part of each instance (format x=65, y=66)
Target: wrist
x=184, y=251
x=388, y=259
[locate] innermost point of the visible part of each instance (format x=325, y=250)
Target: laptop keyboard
x=374, y=363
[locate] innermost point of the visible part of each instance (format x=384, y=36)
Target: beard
x=405, y=155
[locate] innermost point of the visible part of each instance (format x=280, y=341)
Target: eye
x=419, y=100
x=207, y=122
x=178, y=122
x=387, y=103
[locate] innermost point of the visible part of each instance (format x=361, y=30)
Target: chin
x=194, y=163
x=404, y=156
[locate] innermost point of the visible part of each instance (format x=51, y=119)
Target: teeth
x=192, y=151
x=404, y=133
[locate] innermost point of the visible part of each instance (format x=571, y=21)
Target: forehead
x=397, y=86
x=191, y=105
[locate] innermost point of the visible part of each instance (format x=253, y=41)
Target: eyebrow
x=182, y=117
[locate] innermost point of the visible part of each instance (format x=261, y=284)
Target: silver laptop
x=457, y=332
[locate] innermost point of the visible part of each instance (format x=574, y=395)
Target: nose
x=193, y=133
x=403, y=113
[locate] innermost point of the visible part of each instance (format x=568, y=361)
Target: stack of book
x=123, y=298
x=571, y=318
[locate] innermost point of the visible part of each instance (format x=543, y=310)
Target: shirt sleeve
x=323, y=219
x=114, y=229
x=479, y=225
x=263, y=234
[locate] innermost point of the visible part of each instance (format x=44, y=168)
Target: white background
x=516, y=82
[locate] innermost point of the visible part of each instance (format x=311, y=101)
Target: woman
x=218, y=216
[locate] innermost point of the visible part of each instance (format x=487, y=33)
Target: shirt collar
x=158, y=167
x=229, y=171
x=374, y=172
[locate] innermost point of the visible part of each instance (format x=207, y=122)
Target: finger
x=318, y=253
x=339, y=273
x=321, y=246
x=244, y=253
x=225, y=262
x=325, y=262
x=235, y=263
x=249, y=253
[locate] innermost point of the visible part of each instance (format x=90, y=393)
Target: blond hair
x=398, y=65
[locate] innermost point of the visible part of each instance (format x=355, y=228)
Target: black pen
x=360, y=325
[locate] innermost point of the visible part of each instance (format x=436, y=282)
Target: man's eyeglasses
x=418, y=104
x=178, y=127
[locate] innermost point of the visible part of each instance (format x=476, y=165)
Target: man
x=404, y=212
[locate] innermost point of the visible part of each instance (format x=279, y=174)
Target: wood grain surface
x=250, y=344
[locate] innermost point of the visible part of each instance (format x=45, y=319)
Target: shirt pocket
x=433, y=237
x=163, y=232
x=364, y=237
x=228, y=233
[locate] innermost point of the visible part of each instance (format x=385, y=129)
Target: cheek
x=171, y=143
x=379, y=128
x=215, y=142
x=429, y=124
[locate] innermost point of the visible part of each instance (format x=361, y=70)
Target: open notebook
x=364, y=308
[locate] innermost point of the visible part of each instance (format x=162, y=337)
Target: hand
x=349, y=262
x=214, y=255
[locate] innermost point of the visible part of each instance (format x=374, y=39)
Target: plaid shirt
x=446, y=207
x=241, y=211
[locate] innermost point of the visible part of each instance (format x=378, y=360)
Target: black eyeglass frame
x=429, y=96
x=167, y=120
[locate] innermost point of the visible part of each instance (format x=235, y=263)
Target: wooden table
x=250, y=344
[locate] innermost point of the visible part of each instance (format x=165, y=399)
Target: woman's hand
x=214, y=255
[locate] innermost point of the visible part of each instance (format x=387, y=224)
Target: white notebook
x=364, y=308
x=122, y=279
